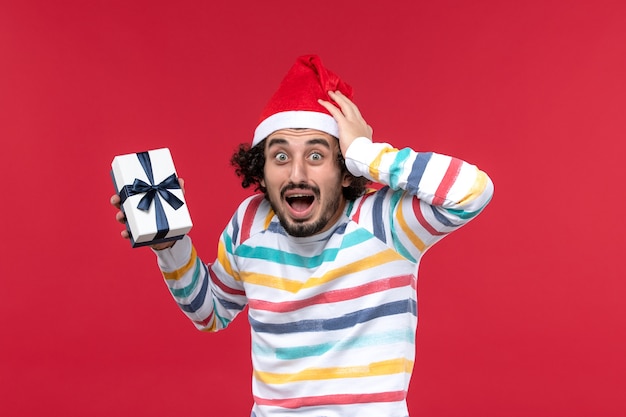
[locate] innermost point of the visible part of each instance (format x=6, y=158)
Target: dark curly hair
x=249, y=163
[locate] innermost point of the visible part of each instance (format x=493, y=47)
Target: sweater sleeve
x=427, y=195
x=210, y=295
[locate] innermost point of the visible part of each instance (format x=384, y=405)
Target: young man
x=327, y=269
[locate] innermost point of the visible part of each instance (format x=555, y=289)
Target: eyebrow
x=315, y=141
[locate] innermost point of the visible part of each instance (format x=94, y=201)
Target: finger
x=115, y=200
x=347, y=106
x=332, y=109
x=120, y=217
x=124, y=234
x=182, y=184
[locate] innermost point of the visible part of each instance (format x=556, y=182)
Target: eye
x=316, y=156
x=281, y=157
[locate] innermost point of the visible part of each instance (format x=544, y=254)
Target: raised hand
x=348, y=117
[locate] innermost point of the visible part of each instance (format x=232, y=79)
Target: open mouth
x=300, y=202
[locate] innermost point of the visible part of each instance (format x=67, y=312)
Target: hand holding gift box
x=151, y=197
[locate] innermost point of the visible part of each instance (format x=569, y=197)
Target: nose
x=298, y=171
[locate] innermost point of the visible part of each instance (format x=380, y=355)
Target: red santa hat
x=294, y=105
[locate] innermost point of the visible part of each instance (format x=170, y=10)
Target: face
x=303, y=180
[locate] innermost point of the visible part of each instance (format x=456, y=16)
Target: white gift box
x=152, y=200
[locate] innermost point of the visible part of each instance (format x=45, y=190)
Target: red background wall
x=521, y=312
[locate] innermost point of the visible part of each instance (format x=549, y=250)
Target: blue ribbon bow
x=151, y=190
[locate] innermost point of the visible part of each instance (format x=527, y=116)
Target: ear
x=262, y=182
x=346, y=180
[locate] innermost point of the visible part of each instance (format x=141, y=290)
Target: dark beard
x=303, y=229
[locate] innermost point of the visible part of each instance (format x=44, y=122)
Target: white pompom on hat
x=294, y=105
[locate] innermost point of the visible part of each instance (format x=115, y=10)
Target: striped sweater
x=334, y=315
